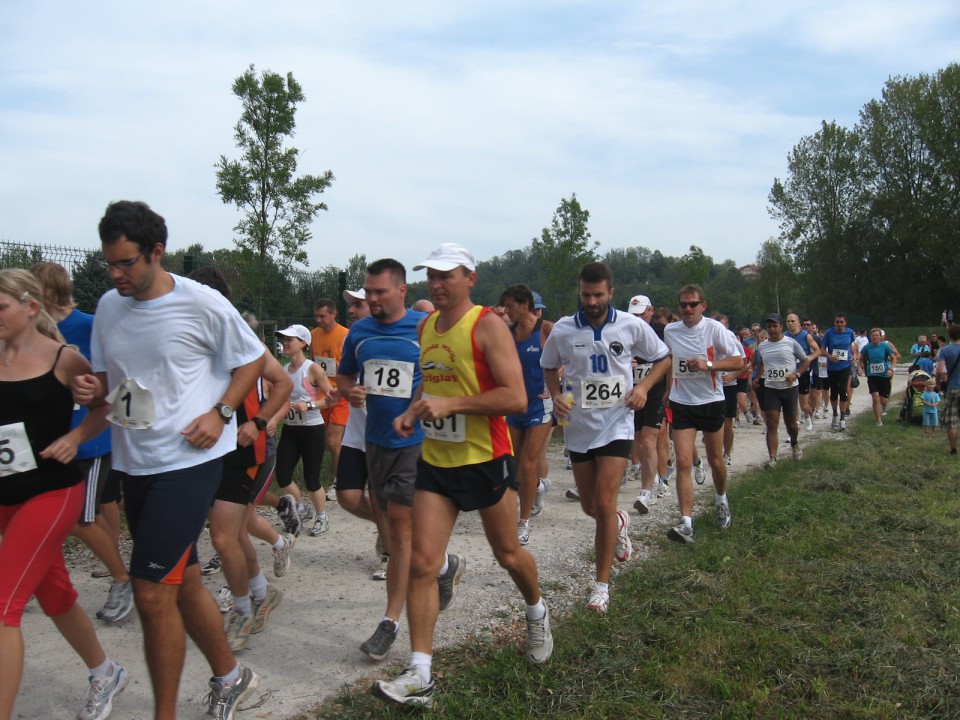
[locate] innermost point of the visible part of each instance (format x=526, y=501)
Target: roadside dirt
x=309, y=650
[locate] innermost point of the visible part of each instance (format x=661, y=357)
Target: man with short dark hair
x=840, y=348
x=173, y=359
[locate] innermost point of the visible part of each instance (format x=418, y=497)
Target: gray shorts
x=391, y=473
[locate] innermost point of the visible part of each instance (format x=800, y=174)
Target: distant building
x=750, y=272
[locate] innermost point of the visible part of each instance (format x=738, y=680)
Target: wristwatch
x=709, y=364
x=311, y=405
x=224, y=411
x=260, y=423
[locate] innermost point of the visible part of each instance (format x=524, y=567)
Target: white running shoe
x=573, y=493
x=699, y=474
x=770, y=463
x=407, y=688
x=599, y=600
x=281, y=557
x=523, y=532
x=723, y=515
x=100, y=694
x=643, y=502
x=809, y=424
x=539, y=638
x=543, y=487
x=224, y=600
x=624, y=548
x=681, y=533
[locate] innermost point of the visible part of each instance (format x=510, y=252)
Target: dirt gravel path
x=310, y=647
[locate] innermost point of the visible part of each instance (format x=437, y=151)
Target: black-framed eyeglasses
x=691, y=304
x=122, y=264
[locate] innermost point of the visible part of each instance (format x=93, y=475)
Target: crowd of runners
x=168, y=403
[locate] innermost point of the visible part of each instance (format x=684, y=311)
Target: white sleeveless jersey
x=300, y=394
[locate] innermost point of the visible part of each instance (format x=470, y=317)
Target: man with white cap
x=471, y=368
x=647, y=421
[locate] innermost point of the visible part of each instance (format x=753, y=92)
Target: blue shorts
x=530, y=419
x=166, y=513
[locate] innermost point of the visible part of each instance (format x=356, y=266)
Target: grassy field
x=834, y=595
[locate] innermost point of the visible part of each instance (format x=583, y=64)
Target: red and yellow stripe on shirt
x=453, y=366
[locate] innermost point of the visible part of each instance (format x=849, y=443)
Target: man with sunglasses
x=176, y=359
x=840, y=348
x=702, y=349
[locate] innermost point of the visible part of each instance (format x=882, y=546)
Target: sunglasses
x=691, y=304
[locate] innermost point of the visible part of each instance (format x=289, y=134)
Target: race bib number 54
x=16, y=455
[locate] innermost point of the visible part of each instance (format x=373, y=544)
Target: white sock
x=231, y=677
x=258, y=587
x=688, y=521
x=103, y=670
x=536, y=612
x=601, y=586
x=541, y=486
x=446, y=565
x=722, y=499
x=241, y=604
x=281, y=541
x=422, y=663
x=301, y=508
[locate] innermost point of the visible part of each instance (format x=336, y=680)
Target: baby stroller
x=912, y=410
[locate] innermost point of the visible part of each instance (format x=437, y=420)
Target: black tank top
x=45, y=407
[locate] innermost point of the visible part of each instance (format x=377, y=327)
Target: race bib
x=878, y=368
x=641, y=371
x=451, y=429
x=16, y=455
x=682, y=369
x=841, y=355
x=775, y=374
x=131, y=406
x=601, y=392
x=392, y=378
x=329, y=365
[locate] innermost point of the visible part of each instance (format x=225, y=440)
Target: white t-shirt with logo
x=780, y=359
x=598, y=364
x=181, y=348
x=707, y=340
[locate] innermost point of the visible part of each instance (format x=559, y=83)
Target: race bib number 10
x=16, y=455
x=601, y=392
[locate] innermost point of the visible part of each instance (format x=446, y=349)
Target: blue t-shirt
x=949, y=356
x=834, y=340
x=930, y=397
x=76, y=328
x=875, y=356
x=925, y=364
x=372, y=341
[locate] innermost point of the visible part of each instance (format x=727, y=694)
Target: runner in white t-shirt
x=596, y=348
x=702, y=351
x=780, y=363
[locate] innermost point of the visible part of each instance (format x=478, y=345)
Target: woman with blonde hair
x=41, y=490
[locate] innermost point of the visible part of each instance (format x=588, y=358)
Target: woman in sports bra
x=41, y=489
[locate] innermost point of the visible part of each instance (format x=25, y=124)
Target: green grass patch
x=834, y=595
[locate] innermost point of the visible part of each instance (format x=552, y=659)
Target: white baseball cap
x=351, y=296
x=447, y=257
x=639, y=304
x=297, y=331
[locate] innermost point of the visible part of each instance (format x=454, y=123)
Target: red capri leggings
x=31, y=553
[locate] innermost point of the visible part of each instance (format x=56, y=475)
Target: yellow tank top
x=453, y=366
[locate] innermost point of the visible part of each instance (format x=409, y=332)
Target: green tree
x=695, y=267
x=278, y=207
x=90, y=282
x=561, y=249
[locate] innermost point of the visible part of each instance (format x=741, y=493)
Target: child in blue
x=931, y=400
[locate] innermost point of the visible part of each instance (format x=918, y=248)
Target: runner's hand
x=205, y=430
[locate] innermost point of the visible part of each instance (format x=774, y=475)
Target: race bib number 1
x=131, y=406
x=601, y=392
x=392, y=378
x=16, y=455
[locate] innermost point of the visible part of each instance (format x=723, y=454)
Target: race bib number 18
x=16, y=455
x=392, y=378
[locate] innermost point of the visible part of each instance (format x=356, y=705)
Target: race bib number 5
x=392, y=378
x=601, y=392
x=16, y=455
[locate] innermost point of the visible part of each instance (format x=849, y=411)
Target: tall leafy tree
x=561, y=249
x=278, y=205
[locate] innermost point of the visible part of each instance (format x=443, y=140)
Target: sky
x=445, y=121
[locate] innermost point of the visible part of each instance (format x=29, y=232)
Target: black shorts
x=878, y=384
x=96, y=472
x=650, y=415
x=617, y=448
x=706, y=418
x=112, y=489
x=351, y=469
x=296, y=442
x=785, y=401
x=743, y=386
x=730, y=401
x=262, y=481
x=804, y=386
x=839, y=381
x=470, y=487
x=166, y=513
x=236, y=484
x=392, y=474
